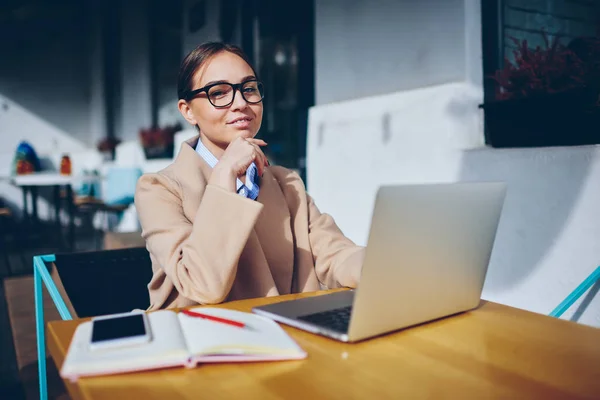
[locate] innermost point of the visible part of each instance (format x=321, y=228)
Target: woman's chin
x=246, y=132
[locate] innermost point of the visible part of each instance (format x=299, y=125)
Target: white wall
x=548, y=238
x=48, y=141
x=19, y=123
x=413, y=136
x=547, y=241
x=366, y=48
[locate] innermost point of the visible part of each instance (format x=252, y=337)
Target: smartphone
x=120, y=330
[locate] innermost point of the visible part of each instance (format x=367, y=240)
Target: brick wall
x=527, y=19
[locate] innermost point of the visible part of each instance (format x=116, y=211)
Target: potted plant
x=107, y=147
x=546, y=97
x=158, y=142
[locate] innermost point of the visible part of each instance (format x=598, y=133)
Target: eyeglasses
x=222, y=94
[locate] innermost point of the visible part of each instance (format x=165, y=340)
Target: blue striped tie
x=252, y=177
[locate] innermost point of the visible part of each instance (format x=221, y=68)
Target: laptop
x=426, y=258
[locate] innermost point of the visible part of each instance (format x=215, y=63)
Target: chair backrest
x=104, y=282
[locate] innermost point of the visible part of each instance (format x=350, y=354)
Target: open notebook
x=181, y=340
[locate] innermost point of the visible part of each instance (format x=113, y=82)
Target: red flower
x=158, y=137
x=108, y=144
x=540, y=71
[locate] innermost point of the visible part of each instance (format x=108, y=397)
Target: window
x=558, y=104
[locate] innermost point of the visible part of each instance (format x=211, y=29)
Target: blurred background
x=108, y=69
x=359, y=93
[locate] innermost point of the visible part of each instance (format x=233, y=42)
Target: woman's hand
x=236, y=159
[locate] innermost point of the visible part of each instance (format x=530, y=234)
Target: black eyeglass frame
x=235, y=86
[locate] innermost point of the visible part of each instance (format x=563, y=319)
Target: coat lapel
x=193, y=174
x=274, y=232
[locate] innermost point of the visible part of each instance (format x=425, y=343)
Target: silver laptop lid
x=427, y=254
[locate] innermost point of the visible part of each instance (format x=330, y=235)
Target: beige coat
x=208, y=245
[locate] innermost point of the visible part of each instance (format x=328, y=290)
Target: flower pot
x=155, y=152
x=559, y=119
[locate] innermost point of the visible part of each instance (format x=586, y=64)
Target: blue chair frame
x=576, y=294
x=41, y=277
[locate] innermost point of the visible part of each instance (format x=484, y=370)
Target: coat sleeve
x=199, y=257
x=338, y=261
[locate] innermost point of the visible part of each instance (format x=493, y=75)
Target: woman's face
x=220, y=126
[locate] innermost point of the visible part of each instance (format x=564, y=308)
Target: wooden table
x=492, y=352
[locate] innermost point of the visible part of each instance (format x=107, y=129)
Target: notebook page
x=167, y=348
x=260, y=336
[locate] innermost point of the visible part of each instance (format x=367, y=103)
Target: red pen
x=213, y=318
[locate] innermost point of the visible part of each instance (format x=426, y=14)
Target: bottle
x=65, y=165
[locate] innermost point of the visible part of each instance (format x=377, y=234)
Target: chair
x=91, y=206
x=583, y=287
x=114, y=198
x=89, y=284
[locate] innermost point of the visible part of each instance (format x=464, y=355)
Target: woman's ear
x=186, y=112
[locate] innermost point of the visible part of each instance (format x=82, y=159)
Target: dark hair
x=200, y=55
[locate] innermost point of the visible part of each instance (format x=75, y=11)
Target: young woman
x=219, y=222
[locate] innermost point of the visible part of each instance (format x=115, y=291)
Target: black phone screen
x=118, y=328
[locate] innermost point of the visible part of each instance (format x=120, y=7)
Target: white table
x=51, y=179
x=30, y=183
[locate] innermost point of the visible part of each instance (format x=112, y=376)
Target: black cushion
x=106, y=282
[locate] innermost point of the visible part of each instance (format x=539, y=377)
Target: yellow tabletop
x=491, y=352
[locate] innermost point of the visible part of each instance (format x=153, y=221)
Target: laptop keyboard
x=337, y=319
